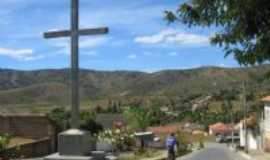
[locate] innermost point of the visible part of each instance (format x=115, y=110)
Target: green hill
x=51, y=86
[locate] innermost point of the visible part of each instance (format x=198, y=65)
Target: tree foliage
x=244, y=25
x=4, y=141
x=4, y=152
x=61, y=117
x=88, y=123
x=138, y=118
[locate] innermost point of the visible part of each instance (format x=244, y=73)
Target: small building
x=164, y=130
x=250, y=135
x=220, y=128
x=265, y=125
x=160, y=133
x=191, y=127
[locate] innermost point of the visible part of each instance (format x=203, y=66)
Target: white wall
x=267, y=118
x=210, y=131
x=252, y=141
x=242, y=135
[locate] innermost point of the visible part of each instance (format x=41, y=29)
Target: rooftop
x=164, y=129
x=266, y=99
x=21, y=115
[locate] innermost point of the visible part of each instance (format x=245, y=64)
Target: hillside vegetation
x=51, y=87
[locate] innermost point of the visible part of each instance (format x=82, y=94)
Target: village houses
x=254, y=131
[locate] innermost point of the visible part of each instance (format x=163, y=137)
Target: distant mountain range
x=52, y=86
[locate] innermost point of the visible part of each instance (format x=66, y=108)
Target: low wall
x=38, y=148
x=32, y=126
x=37, y=127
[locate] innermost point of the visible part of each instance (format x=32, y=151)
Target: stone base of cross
x=73, y=144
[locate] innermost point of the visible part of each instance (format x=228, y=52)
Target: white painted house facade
x=251, y=141
x=265, y=125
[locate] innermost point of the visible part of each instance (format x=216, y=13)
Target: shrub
x=142, y=154
x=120, y=139
x=6, y=153
x=201, y=144
x=88, y=123
x=184, y=143
x=138, y=118
x=60, y=117
x=4, y=141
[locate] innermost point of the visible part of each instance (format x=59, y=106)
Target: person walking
x=171, y=143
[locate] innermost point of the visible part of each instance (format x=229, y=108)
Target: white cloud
x=93, y=42
x=22, y=54
x=140, y=14
x=150, y=70
x=147, y=53
x=132, y=56
x=173, y=54
x=90, y=53
x=222, y=65
x=172, y=36
x=85, y=44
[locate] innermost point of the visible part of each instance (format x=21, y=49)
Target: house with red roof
x=220, y=128
x=164, y=130
x=174, y=128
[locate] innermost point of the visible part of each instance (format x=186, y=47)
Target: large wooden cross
x=74, y=33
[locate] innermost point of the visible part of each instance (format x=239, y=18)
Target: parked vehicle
x=220, y=138
x=235, y=137
x=227, y=138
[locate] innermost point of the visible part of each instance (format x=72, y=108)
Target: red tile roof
x=164, y=129
x=221, y=128
x=266, y=99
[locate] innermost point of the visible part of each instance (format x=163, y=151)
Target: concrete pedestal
x=56, y=156
x=74, y=142
x=98, y=155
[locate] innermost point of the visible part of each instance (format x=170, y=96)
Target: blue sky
x=139, y=38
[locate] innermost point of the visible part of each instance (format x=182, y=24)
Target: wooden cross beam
x=82, y=32
x=74, y=34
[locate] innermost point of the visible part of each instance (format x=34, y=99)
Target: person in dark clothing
x=171, y=143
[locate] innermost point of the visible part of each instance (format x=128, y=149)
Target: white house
x=247, y=137
x=265, y=125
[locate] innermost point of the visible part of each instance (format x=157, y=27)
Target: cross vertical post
x=75, y=102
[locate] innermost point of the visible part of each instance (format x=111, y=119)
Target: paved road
x=213, y=152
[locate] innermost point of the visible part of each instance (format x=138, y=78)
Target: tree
x=4, y=141
x=244, y=25
x=87, y=120
x=98, y=109
x=60, y=117
x=137, y=117
x=88, y=123
x=5, y=151
x=226, y=106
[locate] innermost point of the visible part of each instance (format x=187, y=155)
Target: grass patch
x=139, y=155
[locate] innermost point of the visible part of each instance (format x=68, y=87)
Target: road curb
x=245, y=155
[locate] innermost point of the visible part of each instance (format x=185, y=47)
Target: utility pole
x=232, y=123
x=245, y=116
